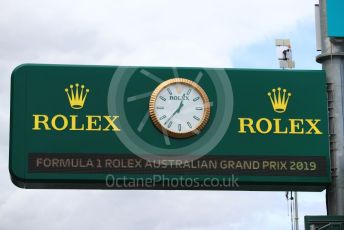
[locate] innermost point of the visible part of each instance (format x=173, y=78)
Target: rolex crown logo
x=77, y=95
x=279, y=99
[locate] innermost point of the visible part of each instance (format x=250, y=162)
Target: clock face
x=179, y=108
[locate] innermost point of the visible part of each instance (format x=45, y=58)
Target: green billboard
x=117, y=127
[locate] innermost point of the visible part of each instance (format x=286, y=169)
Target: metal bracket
x=320, y=58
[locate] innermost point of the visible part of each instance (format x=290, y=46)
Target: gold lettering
x=92, y=123
x=277, y=127
x=111, y=122
x=64, y=124
x=249, y=125
x=61, y=122
x=37, y=121
x=295, y=126
x=265, y=126
x=73, y=126
x=313, y=124
x=268, y=123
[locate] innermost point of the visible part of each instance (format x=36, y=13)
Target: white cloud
x=161, y=32
x=142, y=32
x=143, y=210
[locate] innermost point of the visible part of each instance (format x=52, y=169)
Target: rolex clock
x=168, y=112
x=179, y=108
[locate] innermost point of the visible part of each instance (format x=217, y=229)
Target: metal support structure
x=332, y=60
x=296, y=213
x=284, y=55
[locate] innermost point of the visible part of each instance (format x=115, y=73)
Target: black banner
x=208, y=165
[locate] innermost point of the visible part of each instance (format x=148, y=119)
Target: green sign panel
x=168, y=128
x=324, y=222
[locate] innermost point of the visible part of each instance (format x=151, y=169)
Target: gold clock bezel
x=200, y=91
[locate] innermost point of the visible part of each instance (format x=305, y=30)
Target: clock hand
x=177, y=110
x=180, y=106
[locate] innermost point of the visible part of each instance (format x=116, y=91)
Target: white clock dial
x=179, y=108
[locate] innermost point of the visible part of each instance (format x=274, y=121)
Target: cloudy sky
x=216, y=33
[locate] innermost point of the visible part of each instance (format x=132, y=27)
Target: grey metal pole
x=332, y=60
x=296, y=213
